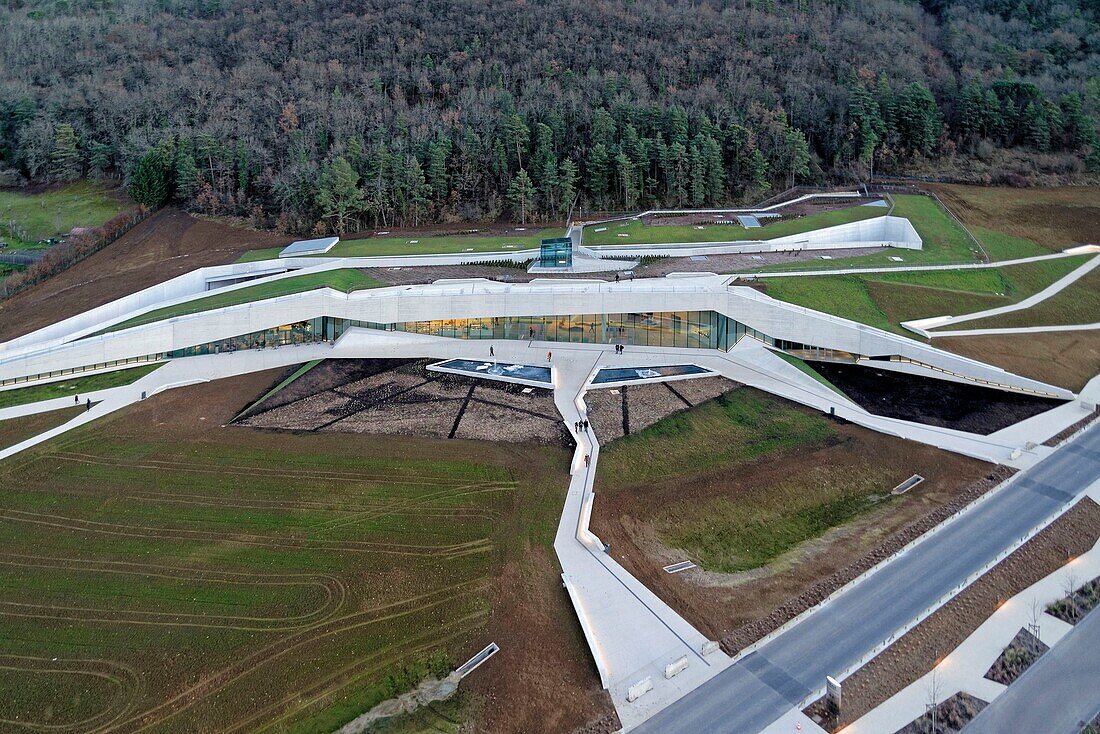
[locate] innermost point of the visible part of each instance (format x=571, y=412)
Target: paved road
x=1056, y=694
x=753, y=693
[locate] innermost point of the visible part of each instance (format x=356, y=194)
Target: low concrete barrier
x=639, y=689
x=676, y=667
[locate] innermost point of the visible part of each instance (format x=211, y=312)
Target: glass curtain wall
x=681, y=329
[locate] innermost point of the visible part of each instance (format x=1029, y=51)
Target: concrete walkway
x=925, y=326
x=964, y=668
x=1057, y=694
x=918, y=268
x=1016, y=330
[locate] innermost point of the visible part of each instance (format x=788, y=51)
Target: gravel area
x=647, y=403
x=1070, y=430
x=934, y=402
x=395, y=397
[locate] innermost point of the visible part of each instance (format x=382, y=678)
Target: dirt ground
x=914, y=654
x=744, y=607
x=169, y=243
x=544, y=678
x=933, y=402
x=1055, y=218
x=1068, y=359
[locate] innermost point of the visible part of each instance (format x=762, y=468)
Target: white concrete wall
x=486, y=299
x=876, y=232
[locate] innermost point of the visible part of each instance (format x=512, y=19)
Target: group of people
x=619, y=349
x=580, y=426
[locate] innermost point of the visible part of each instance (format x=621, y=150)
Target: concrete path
x=965, y=667
x=915, y=268
x=1057, y=694
x=1016, y=330
x=925, y=326
x=842, y=634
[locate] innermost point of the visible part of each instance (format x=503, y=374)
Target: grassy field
x=738, y=426
x=1068, y=359
x=344, y=279
x=528, y=239
x=944, y=241
x=883, y=300
x=14, y=430
x=159, y=575
x=55, y=212
x=1014, y=222
x=638, y=233
x=74, y=386
x=1078, y=303
x=758, y=524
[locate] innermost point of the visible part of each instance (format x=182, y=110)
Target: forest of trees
x=327, y=115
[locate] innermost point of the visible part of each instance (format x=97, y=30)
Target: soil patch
x=1017, y=657
x=951, y=716
x=916, y=652
x=933, y=402
x=167, y=244
x=1073, y=607
x=1068, y=359
x=740, y=608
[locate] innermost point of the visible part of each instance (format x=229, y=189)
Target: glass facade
x=683, y=329
x=556, y=253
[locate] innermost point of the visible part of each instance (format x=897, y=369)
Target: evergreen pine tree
x=596, y=170
x=338, y=194
x=521, y=194
x=149, y=180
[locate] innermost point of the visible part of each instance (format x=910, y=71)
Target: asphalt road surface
x=748, y=696
x=1056, y=694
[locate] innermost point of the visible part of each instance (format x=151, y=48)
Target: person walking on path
x=89, y=405
x=585, y=424
x=549, y=356
x=587, y=460
x=76, y=398
x=491, y=353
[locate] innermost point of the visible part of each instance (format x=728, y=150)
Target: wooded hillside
x=318, y=115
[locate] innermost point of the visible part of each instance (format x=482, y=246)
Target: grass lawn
x=755, y=526
x=15, y=430
x=426, y=245
x=344, y=279
x=1077, y=304
x=639, y=233
x=184, y=577
x=883, y=300
x=55, y=212
x=74, y=386
x=738, y=426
